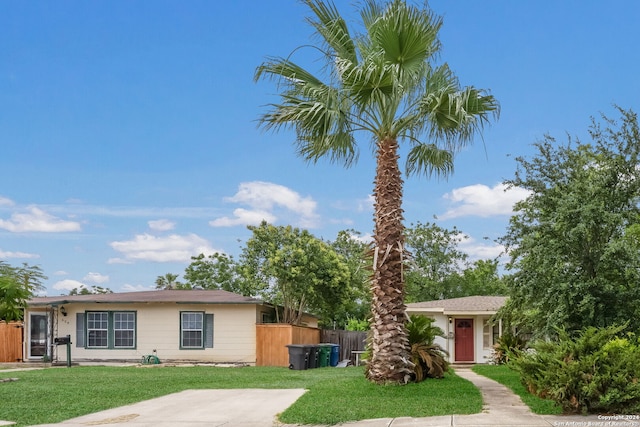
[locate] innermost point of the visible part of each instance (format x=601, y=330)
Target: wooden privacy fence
x=10, y=342
x=349, y=341
x=272, y=340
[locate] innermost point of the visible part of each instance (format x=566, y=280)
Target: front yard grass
x=510, y=378
x=335, y=395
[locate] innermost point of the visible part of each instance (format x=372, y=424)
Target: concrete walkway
x=196, y=408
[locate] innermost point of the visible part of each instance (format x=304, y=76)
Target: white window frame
x=130, y=319
x=192, y=327
x=104, y=318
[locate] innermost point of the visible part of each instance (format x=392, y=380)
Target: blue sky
x=128, y=137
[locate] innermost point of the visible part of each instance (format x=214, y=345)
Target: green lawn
x=335, y=394
x=511, y=379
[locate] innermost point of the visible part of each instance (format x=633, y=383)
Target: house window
x=124, y=329
x=98, y=329
x=490, y=334
x=196, y=330
x=110, y=329
x=192, y=330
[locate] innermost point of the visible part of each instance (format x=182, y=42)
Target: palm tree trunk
x=390, y=360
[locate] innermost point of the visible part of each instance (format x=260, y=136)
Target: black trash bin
x=298, y=356
x=313, y=356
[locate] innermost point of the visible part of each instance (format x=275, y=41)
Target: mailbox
x=62, y=340
x=65, y=341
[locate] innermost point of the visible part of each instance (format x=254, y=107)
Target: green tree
x=168, y=281
x=482, y=278
x=440, y=270
x=384, y=83
x=350, y=245
x=93, y=290
x=297, y=271
x=436, y=265
x=573, y=240
x=17, y=285
x=217, y=271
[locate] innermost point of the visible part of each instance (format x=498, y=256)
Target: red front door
x=464, y=340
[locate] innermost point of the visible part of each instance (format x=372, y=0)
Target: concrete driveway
x=192, y=408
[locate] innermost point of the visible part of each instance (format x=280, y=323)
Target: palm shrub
x=595, y=372
x=429, y=359
x=506, y=347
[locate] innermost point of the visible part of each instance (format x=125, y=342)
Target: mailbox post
x=65, y=340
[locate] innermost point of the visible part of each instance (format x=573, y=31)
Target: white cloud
x=37, y=220
x=478, y=251
x=266, y=201
x=60, y=273
x=119, y=261
x=364, y=238
x=96, y=278
x=6, y=202
x=136, y=288
x=366, y=205
x=145, y=247
x=243, y=217
x=10, y=254
x=162, y=225
x=481, y=200
x=68, y=285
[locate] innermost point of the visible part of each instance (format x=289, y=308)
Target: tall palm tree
x=383, y=82
x=168, y=281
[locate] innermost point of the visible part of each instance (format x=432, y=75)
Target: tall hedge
x=598, y=371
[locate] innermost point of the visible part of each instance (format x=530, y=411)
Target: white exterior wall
x=442, y=322
x=158, y=328
x=481, y=354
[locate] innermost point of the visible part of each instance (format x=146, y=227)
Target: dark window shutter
x=79, y=329
x=208, y=329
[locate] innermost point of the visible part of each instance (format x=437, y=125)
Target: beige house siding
x=158, y=328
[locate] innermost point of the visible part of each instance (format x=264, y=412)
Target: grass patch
x=510, y=378
x=354, y=398
x=334, y=396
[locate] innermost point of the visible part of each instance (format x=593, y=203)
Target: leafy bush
x=506, y=347
x=598, y=371
x=354, y=324
x=429, y=358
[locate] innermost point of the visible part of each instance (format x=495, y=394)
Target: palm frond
x=453, y=114
x=319, y=113
x=430, y=160
x=407, y=35
x=333, y=29
x=287, y=72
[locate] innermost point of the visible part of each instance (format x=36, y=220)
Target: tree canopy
x=292, y=268
x=573, y=241
x=439, y=269
x=17, y=285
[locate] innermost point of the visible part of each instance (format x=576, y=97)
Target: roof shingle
x=473, y=303
x=160, y=296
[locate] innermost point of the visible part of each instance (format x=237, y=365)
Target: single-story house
x=206, y=326
x=469, y=336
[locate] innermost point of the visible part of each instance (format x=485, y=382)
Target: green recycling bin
x=324, y=354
